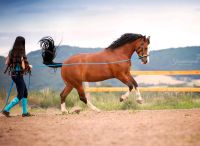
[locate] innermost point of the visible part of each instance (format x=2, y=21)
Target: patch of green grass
x=110, y=100
x=152, y=100
x=172, y=101
x=44, y=99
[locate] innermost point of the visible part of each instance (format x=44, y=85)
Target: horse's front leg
x=125, y=79
x=130, y=82
x=138, y=95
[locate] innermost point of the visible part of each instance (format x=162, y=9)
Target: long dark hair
x=18, y=49
x=16, y=54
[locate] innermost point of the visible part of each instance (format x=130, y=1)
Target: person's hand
x=30, y=66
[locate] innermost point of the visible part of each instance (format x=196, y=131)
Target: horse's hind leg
x=83, y=98
x=63, y=96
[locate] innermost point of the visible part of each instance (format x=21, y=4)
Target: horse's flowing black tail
x=49, y=52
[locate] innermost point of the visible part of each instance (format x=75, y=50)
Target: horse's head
x=142, y=49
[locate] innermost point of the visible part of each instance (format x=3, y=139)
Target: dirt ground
x=114, y=128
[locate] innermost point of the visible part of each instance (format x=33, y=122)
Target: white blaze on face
x=148, y=59
x=148, y=56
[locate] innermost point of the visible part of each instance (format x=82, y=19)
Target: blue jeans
x=21, y=86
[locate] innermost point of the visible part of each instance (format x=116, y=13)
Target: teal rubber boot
x=11, y=104
x=24, y=106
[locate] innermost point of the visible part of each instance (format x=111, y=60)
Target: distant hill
x=186, y=58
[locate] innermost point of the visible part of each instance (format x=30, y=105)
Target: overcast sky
x=92, y=23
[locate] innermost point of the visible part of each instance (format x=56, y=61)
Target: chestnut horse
x=112, y=62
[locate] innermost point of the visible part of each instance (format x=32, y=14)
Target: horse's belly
x=96, y=78
x=97, y=75
x=87, y=74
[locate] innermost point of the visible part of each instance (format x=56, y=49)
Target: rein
x=82, y=63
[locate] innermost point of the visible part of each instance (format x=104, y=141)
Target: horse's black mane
x=125, y=38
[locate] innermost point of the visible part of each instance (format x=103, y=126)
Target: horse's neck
x=126, y=50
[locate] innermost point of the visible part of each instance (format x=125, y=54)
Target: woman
x=18, y=65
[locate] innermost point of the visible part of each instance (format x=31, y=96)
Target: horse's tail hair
x=49, y=52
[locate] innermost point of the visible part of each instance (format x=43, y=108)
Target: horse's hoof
x=140, y=101
x=76, y=110
x=92, y=107
x=97, y=110
x=65, y=112
x=121, y=99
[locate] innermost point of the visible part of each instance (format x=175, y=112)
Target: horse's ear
x=148, y=39
x=144, y=38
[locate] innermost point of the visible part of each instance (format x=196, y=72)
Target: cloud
x=92, y=23
x=197, y=9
